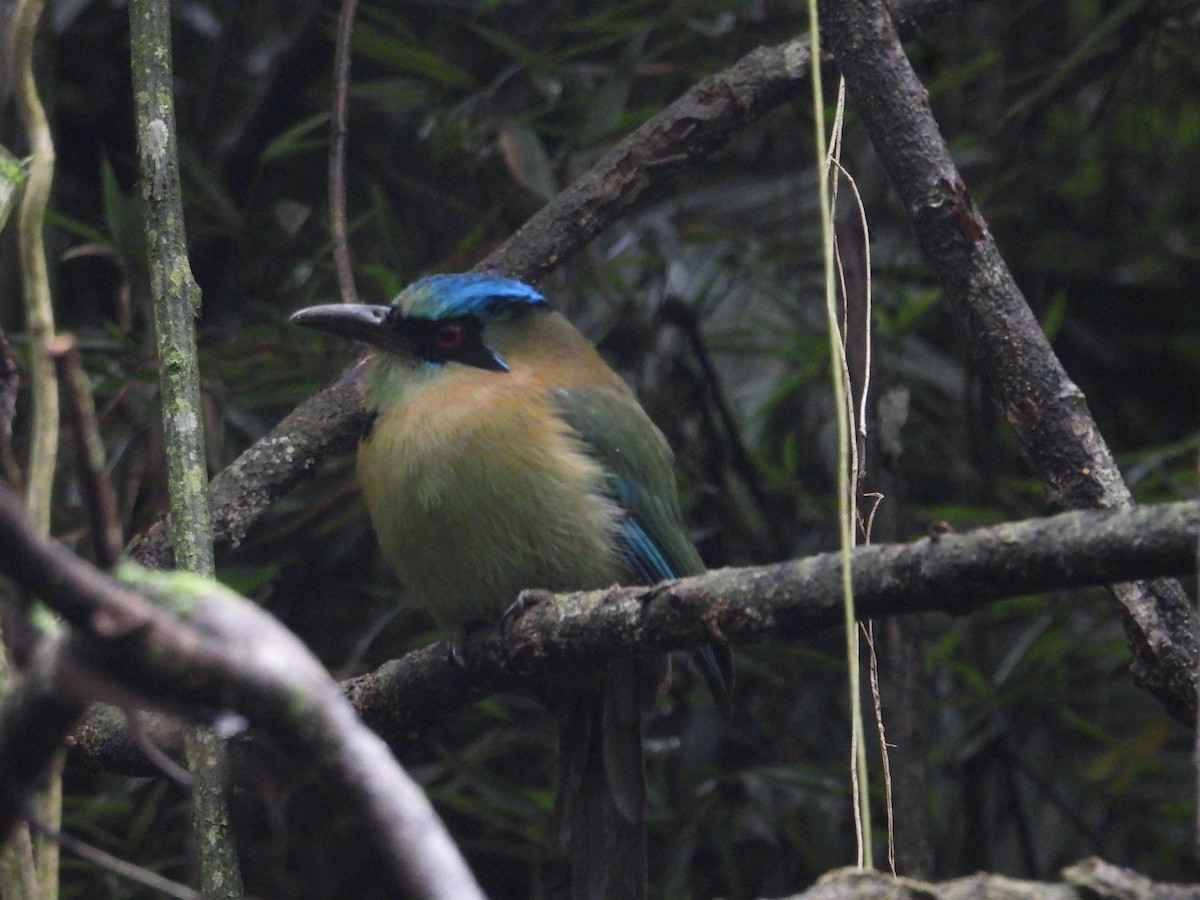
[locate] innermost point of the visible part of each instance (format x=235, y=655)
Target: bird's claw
x=526, y=600
x=457, y=641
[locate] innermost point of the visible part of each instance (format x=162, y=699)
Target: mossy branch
x=176, y=301
x=43, y=445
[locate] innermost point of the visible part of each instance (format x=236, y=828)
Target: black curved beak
x=357, y=321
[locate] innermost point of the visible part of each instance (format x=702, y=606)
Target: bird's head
x=437, y=320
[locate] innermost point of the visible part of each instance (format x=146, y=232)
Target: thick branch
x=954, y=573
x=1046, y=410
x=214, y=650
x=1090, y=879
x=176, y=297
x=176, y=294
x=951, y=573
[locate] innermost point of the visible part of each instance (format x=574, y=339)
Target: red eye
x=450, y=337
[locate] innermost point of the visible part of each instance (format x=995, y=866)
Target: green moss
x=176, y=592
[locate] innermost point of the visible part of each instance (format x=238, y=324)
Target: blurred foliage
x=1077, y=127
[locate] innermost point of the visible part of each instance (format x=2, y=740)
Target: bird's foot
x=526, y=600
x=457, y=642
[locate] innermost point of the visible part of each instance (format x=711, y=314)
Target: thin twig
x=39, y=323
x=120, y=867
x=337, y=154
x=98, y=494
x=868, y=630
x=10, y=384
x=847, y=461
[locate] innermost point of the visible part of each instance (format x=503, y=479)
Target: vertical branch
x=176, y=302
x=1045, y=409
x=42, y=856
x=847, y=484
x=903, y=685
x=175, y=292
x=337, y=155
x=103, y=524
x=856, y=285
x=1196, y=725
x=10, y=383
x=39, y=315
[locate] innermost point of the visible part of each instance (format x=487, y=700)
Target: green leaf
x=397, y=54
x=299, y=139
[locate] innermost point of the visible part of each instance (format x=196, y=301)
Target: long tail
x=602, y=783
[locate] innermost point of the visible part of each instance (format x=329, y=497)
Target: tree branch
x=208, y=649
x=1047, y=412
x=39, y=325
x=176, y=302
x=1090, y=879
x=100, y=499
x=337, y=154
x=953, y=573
x=35, y=279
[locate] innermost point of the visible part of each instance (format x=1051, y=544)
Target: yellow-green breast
x=477, y=489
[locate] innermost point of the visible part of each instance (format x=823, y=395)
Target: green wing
x=641, y=479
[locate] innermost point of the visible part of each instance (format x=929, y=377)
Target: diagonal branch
x=201, y=647
x=1046, y=410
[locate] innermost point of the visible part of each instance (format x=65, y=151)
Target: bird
x=504, y=454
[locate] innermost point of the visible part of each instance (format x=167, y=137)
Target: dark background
x=1077, y=128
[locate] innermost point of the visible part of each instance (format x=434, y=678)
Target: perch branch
x=953, y=573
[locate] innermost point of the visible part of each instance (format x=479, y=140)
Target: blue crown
x=447, y=296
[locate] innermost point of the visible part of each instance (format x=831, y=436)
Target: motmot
x=504, y=453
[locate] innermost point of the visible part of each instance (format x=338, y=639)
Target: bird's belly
x=470, y=510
